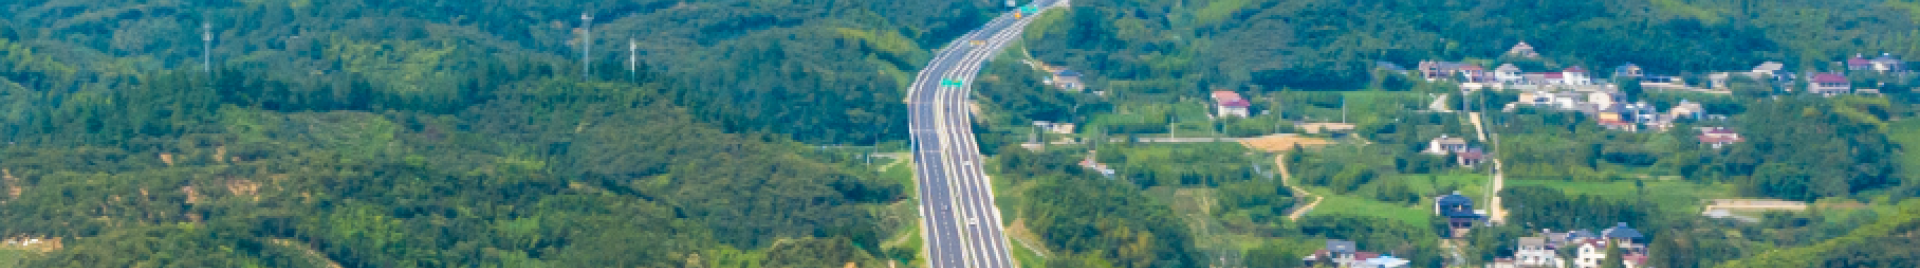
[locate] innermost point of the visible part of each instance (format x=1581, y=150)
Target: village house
x=1717, y=137
x=1474, y=74
x=1230, y=104
x=1563, y=101
x=1390, y=67
x=1339, y=253
x=1066, y=80
x=1887, y=63
x=1092, y=164
x=1589, y=253
x=1503, y=263
x=1385, y=262
x=1859, y=62
x=1537, y=252
x=1773, y=68
x=1054, y=127
x=1602, y=99
x=1445, y=144
x=1642, y=113
x=1593, y=252
x=1458, y=210
x=1628, y=70
x=1686, y=109
x=1507, y=74
x=1523, y=50
x=1441, y=70
x=1470, y=157
x=1829, y=84
x=1575, y=76
x=1768, y=73
x=1625, y=237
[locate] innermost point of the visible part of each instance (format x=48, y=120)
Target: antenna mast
x=206, y=54
x=586, y=43
x=633, y=58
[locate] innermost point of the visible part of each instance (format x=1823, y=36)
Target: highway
x=959, y=221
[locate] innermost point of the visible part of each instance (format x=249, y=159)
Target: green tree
x=1614, y=259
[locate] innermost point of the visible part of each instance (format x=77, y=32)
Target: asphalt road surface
x=958, y=217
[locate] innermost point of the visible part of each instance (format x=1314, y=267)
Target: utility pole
x=1343, y=108
x=206, y=53
x=586, y=43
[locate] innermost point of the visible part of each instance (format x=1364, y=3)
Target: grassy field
x=1907, y=134
x=902, y=171
x=1363, y=206
x=1667, y=193
x=14, y=258
x=1024, y=256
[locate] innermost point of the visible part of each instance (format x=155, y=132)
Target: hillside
x=456, y=133
x=1187, y=47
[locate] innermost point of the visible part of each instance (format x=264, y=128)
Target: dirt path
x=312, y=255
x=1496, y=212
x=1286, y=178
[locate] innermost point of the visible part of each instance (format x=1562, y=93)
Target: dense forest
x=457, y=133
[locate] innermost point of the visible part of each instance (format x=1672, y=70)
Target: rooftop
x=1829, y=78
x=1621, y=231
x=1473, y=154
x=1225, y=95
x=1508, y=67
x=1341, y=246
x=1455, y=198
x=1533, y=241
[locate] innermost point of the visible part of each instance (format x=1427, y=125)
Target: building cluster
x=1771, y=74
x=1346, y=254
x=31, y=243
x=1774, y=76
x=1586, y=249
x=1090, y=163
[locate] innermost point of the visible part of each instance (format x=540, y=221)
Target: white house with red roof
x=1229, y=103
x=1575, y=76
x=1829, y=84
x=1717, y=137
x=1859, y=62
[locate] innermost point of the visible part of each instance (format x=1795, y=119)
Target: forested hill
x=367, y=133
x=743, y=64
x=1192, y=46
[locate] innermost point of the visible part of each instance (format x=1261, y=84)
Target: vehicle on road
x=973, y=221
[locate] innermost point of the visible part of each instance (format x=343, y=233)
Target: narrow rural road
x=1496, y=212
x=1286, y=178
